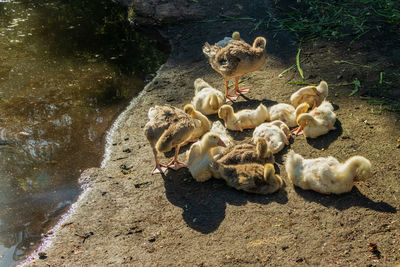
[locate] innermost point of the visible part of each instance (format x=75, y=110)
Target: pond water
x=67, y=69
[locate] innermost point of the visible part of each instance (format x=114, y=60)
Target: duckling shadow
x=326, y=140
x=345, y=201
x=204, y=204
x=251, y=103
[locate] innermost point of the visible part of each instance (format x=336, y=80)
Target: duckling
x=243, y=119
x=248, y=153
x=326, y=175
x=204, y=124
x=317, y=122
x=200, y=156
x=220, y=129
x=312, y=95
x=235, y=60
x=249, y=177
x=227, y=40
x=287, y=113
x=168, y=127
x=277, y=134
x=207, y=99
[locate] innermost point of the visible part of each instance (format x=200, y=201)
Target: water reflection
x=67, y=68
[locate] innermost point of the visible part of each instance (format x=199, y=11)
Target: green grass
x=309, y=19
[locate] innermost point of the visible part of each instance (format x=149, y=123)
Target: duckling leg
x=229, y=97
x=159, y=168
x=238, y=90
x=175, y=164
x=298, y=130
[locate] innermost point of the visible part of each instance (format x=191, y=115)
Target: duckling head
x=273, y=180
x=224, y=112
x=302, y=108
x=210, y=140
x=260, y=42
x=236, y=35
x=363, y=168
x=304, y=119
x=262, y=148
x=189, y=109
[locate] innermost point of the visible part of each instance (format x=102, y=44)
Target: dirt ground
x=129, y=217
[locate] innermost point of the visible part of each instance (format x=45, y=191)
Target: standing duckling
x=235, y=60
x=168, y=128
x=326, y=175
x=243, y=119
x=202, y=127
x=200, y=156
x=250, y=177
x=312, y=95
x=207, y=99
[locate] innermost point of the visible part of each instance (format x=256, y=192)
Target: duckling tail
x=260, y=42
x=293, y=165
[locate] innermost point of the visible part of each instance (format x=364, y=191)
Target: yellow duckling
x=317, y=122
x=250, y=177
x=326, y=175
x=169, y=127
x=200, y=156
x=207, y=99
x=312, y=95
x=202, y=127
x=235, y=60
x=286, y=113
x=277, y=134
x=243, y=119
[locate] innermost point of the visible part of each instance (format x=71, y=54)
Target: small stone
x=152, y=239
x=126, y=138
x=42, y=255
x=336, y=94
x=128, y=150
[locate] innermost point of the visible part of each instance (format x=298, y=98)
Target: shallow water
x=67, y=68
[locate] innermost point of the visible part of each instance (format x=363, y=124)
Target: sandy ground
x=129, y=217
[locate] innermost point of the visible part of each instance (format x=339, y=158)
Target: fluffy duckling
x=207, y=99
x=168, y=127
x=243, y=119
x=248, y=153
x=227, y=40
x=235, y=60
x=312, y=95
x=250, y=177
x=317, y=122
x=277, y=134
x=202, y=127
x=286, y=113
x=200, y=156
x=220, y=129
x=326, y=175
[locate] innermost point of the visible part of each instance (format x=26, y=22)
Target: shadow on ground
x=203, y=204
x=342, y=202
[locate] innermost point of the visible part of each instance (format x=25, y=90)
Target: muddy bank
x=128, y=217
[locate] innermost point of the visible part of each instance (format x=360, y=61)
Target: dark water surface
x=67, y=69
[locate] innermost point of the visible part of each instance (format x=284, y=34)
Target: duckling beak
x=221, y=143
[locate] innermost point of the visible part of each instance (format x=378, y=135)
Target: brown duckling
x=249, y=177
x=168, y=128
x=235, y=60
x=248, y=153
